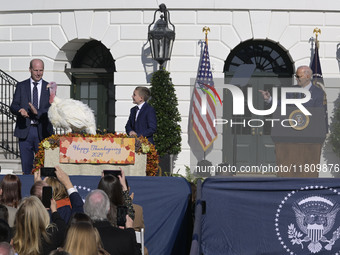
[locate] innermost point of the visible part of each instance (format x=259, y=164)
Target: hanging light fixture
x=161, y=37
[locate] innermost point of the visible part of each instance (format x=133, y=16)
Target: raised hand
x=23, y=113
x=266, y=95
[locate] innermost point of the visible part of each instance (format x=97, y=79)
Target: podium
x=298, y=141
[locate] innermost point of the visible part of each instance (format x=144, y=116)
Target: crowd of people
x=68, y=225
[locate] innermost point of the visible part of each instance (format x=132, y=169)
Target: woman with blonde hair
x=33, y=232
x=60, y=195
x=66, y=196
x=83, y=239
x=59, y=190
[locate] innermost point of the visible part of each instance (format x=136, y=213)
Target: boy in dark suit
x=142, y=119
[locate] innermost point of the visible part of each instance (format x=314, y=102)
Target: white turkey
x=70, y=114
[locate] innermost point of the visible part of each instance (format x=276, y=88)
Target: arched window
x=267, y=56
x=94, y=55
x=92, y=79
x=245, y=144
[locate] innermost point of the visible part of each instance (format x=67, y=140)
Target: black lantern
x=161, y=37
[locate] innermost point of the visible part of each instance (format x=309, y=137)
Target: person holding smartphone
x=67, y=197
x=118, y=193
x=115, y=240
x=29, y=236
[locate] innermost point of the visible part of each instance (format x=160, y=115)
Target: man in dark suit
x=30, y=105
x=115, y=240
x=142, y=119
x=301, y=153
x=303, y=77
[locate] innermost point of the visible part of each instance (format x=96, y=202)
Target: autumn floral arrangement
x=142, y=145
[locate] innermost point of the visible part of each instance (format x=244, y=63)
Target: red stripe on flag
x=209, y=117
x=199, y=134
x=197, y=95
x=211, y=124
x=202, y=123
x=212, y=106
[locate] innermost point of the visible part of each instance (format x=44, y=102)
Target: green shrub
x=163, y=98
x=335, y=131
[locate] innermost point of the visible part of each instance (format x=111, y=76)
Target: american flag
x=204, y=110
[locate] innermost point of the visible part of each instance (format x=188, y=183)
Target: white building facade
x=56, y=30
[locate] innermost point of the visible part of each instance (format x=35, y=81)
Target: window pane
x=93, y=89
x=84, y=88
x=93, y=105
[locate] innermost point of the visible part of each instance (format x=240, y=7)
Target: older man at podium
x=304, y=79
x=298, y=147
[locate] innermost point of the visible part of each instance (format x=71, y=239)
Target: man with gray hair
x=115, y=240
x=303, y=76
x=97, y=205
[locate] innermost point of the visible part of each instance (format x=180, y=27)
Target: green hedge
x=163, y=98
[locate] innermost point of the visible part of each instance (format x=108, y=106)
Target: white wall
x=41, y=5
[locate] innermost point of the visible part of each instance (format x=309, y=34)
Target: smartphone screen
x=121, y=215
x=113, y=172
x=46, y=196
x=47, y=171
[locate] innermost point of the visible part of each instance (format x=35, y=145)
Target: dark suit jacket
x=146, y=123
x=317, y=95
x=77, y=204
x=317, y=98
x=116, y=240
x=22, y=97
x=57, y=234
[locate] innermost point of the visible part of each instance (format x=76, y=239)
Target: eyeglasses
x=297, y=76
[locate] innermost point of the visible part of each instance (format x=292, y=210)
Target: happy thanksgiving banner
x=97, y=150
